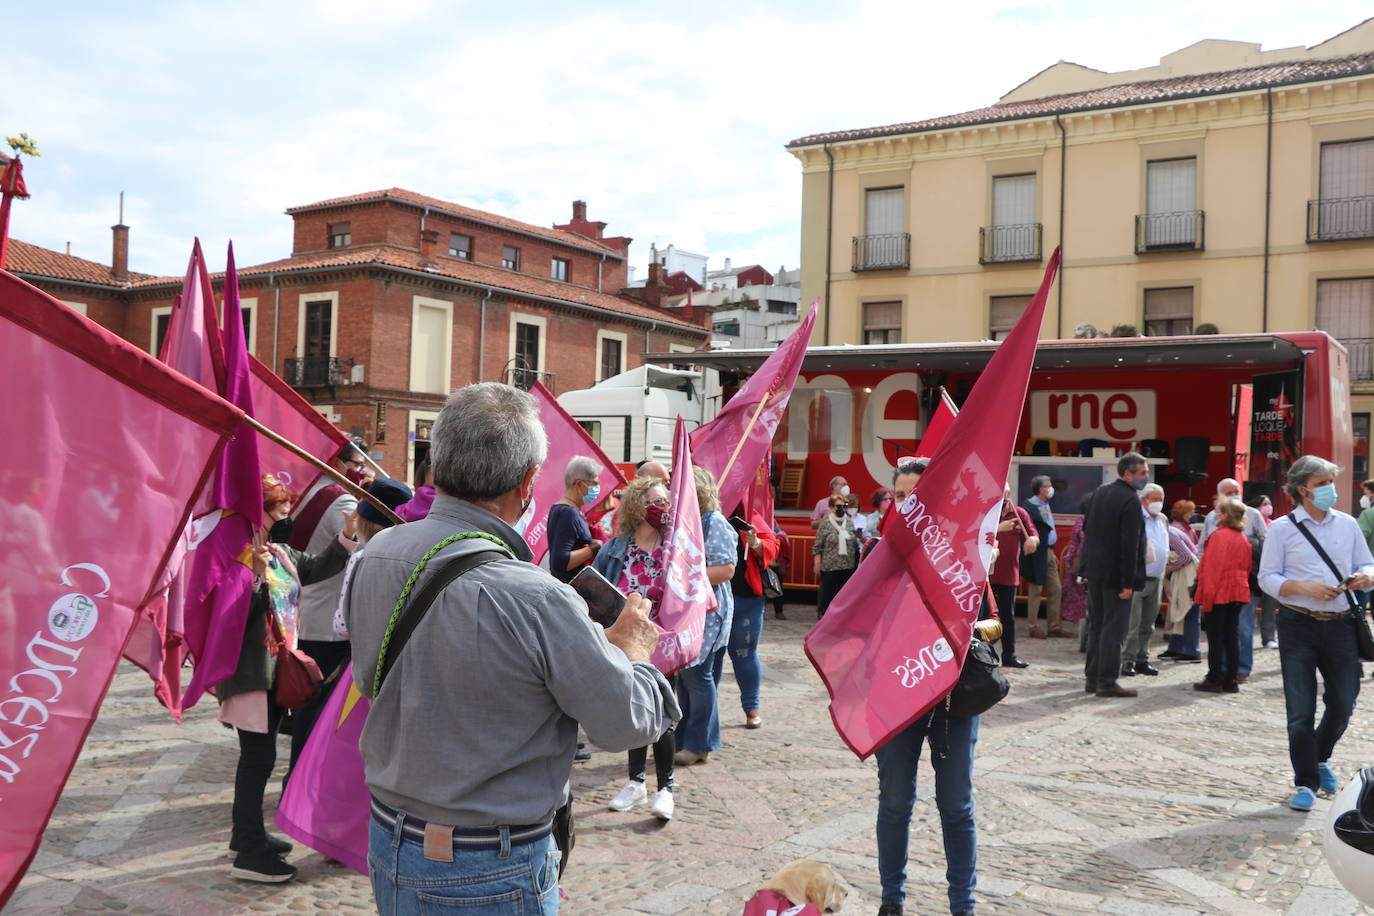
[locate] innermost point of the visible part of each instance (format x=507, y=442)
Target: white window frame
x=251, y=342
x=526, y=318
x=333, y=297
x=78, y=307
x=157, y=313
x=567, y=269
x=624, y=340
x=417, y=303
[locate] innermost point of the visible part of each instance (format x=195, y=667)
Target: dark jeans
x=664, y=748
x=257, y=757
x=746, y=629
x=1306, y=646
x=329, y=656
x=1189, y=642
x=831, y=583
x=1006, y=612
x=1223, y=642
x=1108, y=619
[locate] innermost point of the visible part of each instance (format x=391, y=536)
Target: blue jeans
x=1306, y=646
x=1247, y=637
x=951, y=754
x=746, y=629
x=1189, y=642
x=514, y=881
x=699, y=730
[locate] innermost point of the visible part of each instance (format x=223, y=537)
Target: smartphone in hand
x=604, y=600
x=739, y=524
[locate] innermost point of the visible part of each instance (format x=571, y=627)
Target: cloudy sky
x=670, y=121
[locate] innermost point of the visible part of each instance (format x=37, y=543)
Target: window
x=431, y=345
x=883, y=210
x=510, y=257
x=1169, y=312
x=593, y=428
x=1359, y=428
x=883, y=244
x=779, y=307
x=162, y=319
x=527, y=345
x=1171, y=203
x=340, y=235
x=882, y=322
x=1346, y=208
x=319, y=319
x=1014, y=234
x=1003, y=314
x=460, y=246
x=558, y=269
x=727, y=328
x=1345, y=310
x=612, y=354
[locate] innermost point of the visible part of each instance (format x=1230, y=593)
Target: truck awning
x=1258, y=350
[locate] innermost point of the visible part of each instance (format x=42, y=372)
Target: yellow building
x=1228, y=186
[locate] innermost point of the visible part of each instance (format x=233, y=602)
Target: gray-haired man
x=469, y=743
x=1135, y=656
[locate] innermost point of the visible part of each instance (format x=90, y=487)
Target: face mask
x=1365, y=501
x=884, y=505
x=1324, y=497
x=356, y=474
x=593, y=494
x=1154, y=508
x=657, y=517
x=1140, y=483
x=1049, y=494
x=839, y=511
x=1267, y=510
x=853, y=512
x=281, y=529
x=844, y=490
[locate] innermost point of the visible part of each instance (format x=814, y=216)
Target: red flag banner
x=886, y=663
x=739, y=439
x=687, y=593
x=106, y=452
x=567, y=440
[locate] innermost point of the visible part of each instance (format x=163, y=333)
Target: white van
x=632, y=415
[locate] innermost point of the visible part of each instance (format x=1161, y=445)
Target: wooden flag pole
x=763, y=402
x=338, y=476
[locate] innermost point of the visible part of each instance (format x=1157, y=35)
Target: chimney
x=579, y=209
x=727, y=264
x=120, y=268
x=428, y=239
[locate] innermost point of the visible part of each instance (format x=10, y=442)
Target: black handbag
x=772, y=584
x=982, y=685
x=1364, y=638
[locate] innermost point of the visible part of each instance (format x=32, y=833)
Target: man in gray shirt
x=469, y=743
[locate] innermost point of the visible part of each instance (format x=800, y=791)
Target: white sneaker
x=633, y=794
x=1272, y=644
x=663, y=805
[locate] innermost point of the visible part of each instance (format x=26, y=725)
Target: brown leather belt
x=1317, y=615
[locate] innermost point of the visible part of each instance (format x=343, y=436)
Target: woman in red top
x=1223, y=588
x=1012, y=530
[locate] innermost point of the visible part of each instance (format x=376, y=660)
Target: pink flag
x=281, y=409
x=944, y=415
x=326, y=804
x=105, y=452
x=738, y=440
x=687, y=594
x=221, y=576
x=893, y=641
x=192, y=345
x=567, y=440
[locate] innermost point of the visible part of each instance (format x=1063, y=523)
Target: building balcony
x=524, y=379
x=1009, y=244
x=1361, y=350
x=882, y=252
x=314, y=372
x=1180, y=230
x=1339, y=218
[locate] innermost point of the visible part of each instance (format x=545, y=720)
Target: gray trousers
x=1108, y=618
x=1144, y=610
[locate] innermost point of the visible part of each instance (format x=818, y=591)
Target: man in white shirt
x=1255, y=531
x=1135, y=655
x=1316, y=619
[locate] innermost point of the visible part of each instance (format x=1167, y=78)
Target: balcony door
x=319, y=332
x=1347, y=190
x=1013, y=218
x=884, y=215
x=1345, y=310
x=1171, y=202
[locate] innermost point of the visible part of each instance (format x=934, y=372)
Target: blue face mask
x=1324, y=497
x=593, y=494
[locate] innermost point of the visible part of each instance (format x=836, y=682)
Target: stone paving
x=1167, y=804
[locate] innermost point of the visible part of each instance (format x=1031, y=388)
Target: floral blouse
x=643, y=572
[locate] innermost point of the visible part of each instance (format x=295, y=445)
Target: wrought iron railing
x=1334, y=219
x=524, y=379
x=891, y=251
x=1361, y=350
x=1180, y=230
x=314, y=371
x=1007, y=244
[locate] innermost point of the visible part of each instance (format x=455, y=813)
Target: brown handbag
x=298, y=677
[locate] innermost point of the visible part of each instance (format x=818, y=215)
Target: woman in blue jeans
x=951, y=743
x=757, y=550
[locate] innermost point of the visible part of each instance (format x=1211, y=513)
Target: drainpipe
x=1268, y=196
x=276, y=317
x=482, y=334
x=829, y=232
x=1063, y=185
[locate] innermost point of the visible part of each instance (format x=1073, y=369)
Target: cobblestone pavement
x=1170, y=803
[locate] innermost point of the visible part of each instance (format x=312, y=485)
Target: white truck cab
x=632, y=415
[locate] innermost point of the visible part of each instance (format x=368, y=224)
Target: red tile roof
x=454, y=269
x=480, y=216
x=1161, y=90
x=24, y=258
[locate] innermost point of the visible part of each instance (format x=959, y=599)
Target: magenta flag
x=281, y=409
x=567, y=440
x=326, y=804
x=192, y=345
x=738, y=440
x=106, y=449
x=220, y=585
x=893, y=641
x=687, y=593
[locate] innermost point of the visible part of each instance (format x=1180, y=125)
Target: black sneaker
x=890, y=909
x=262, y=866
x=280, y=847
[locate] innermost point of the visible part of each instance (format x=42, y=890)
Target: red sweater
x=1224, y=575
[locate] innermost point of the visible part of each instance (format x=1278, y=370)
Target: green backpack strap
x=404, y=619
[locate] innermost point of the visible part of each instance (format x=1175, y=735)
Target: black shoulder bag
x=982, y=685
x=1364, y=638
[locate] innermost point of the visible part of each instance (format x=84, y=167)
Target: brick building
x=391, y=299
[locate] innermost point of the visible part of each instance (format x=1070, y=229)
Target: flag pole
x=744, y=437
x=339, y=478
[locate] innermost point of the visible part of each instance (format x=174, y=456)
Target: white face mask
x=1049, y=493
x=1365, y=501
x=1154, y=508
x=844, y=490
